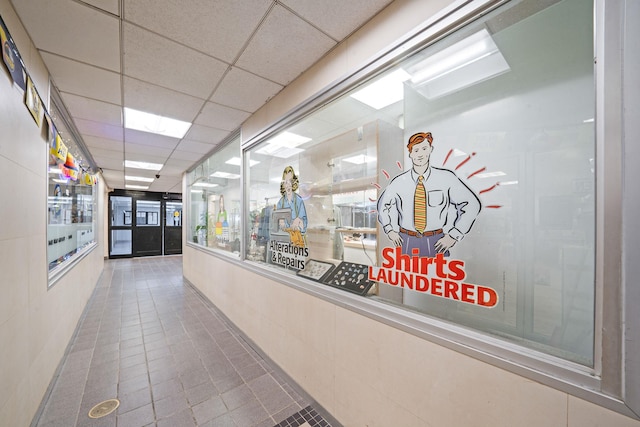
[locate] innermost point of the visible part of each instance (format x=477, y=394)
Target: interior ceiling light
x=463, y=64
x=137, y=187
x=385, y=91
x=226, y=175
x=137, y=178
x=359, y=159
x=236, y=162
x=283, y=145
x=142, y=165
x=147, y=122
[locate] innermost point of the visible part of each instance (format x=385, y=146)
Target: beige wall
x=364, y=372
x=36, y=323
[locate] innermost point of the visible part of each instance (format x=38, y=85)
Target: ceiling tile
x=206, y=134
x=85, y=108
x=150, y=57
x=244, y=91
x=194, y=147
x=107, y=163
x=147, y=138
x=283, y=47
x=49, y=25
x=221, y=117
x=130, y=148
x=110, y=6
x=100, y=153
x=158, y=100
x=185, y=155
x=102, y=130
x=338, y=18
x=106, y=144
x=74, y=77
x=219, y=28
x=114, y=178
x=179, y=165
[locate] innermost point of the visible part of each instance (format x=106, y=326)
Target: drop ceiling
x=209, y=62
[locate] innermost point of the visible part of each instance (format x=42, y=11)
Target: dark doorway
x=144, y=224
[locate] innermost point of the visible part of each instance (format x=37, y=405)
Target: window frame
x=186, y=204
x=56, y=273
x=606, y=384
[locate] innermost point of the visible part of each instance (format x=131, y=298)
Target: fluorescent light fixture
x=142, y=165
x=278, y=151
x=205, y=184
x=235, y=161
x=384, y=91
x=137, y=178
x=463, y=64
x=226, y=175
x=284, y=145
x=137, y=187
x=490, y=174
x=196, y=191
x=147, y=122
x=288, y=139
x=588, y=120
x=359, y=159
x=60, y=181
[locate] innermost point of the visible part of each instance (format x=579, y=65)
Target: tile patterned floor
x=152, y=341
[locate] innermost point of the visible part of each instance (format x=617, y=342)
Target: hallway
x=150, y=340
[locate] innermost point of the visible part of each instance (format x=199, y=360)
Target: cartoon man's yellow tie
x=420, y=207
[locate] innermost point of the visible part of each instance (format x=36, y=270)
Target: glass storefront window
x=498, y=119
x=214, y=200
x=71, y=197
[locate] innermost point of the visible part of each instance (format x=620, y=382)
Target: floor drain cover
x=104, y=408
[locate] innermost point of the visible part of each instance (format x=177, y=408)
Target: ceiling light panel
x=148, y=122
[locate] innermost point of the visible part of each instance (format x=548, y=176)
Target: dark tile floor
x=150, y=340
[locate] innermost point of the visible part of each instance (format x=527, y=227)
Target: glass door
x=147, y=233
x=173, y=228
x=121, y=224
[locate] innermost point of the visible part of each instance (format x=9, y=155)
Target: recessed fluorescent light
x=278, y=151
x=142, y=165
x=205, y=184
x=463, y=64
x=196, y=191
x=236, y=162
x=588, y=120
x=226, y=175
x=147, y=122
x=288, y=139
x=359, y=159
x=385, y=91
x=138, y=178
x=490, y=174
x=137, y=187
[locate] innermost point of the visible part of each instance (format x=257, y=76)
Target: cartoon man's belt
x=417, y=234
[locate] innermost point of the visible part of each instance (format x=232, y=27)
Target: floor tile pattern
x=149, y=339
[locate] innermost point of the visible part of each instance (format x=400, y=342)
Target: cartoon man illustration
x=292, y=200
x=426, y=208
